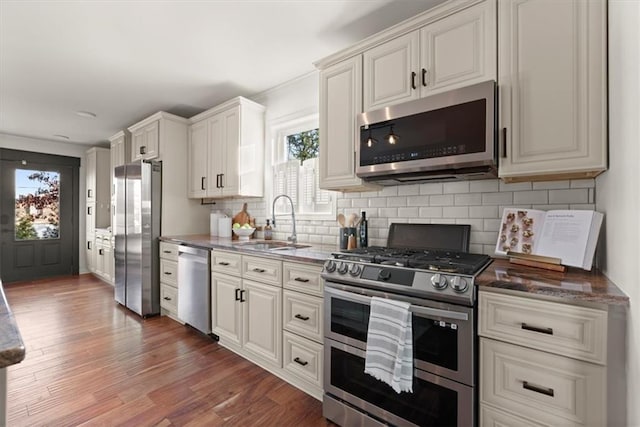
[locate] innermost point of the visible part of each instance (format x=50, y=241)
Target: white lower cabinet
x=103, y=264
x=542, y=363
x=278, y=329
x=169, y=280
x=246, y=312
x=262, y=321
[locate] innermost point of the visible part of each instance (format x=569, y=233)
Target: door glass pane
x=37, y=207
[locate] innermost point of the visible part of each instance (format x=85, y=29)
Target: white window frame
x=278, y=130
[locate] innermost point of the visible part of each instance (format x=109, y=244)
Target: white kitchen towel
x=389, y=355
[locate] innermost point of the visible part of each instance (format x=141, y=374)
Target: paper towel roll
x=224, y=227
x=213, y=223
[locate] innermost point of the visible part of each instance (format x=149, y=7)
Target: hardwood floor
x=91, y=362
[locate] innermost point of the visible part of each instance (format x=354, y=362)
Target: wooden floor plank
x=91, y=362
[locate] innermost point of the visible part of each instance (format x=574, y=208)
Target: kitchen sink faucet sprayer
x=294, y=237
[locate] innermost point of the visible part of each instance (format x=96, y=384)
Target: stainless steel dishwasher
x=194, y=302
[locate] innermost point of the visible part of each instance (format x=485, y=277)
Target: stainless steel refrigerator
x=136, y=226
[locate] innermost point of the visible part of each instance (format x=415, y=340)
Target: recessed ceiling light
x=61, y=136
x=87, y=114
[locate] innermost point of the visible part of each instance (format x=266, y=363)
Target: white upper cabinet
x=340, y=103
x=553, y=89
x=98, y=192
x=120, y=149
x=226, y=151
x=145, y=142
x=390, y=72
x=198, y=149
x=456, y=50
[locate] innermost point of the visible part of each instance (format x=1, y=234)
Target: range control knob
x=439, y=281
x=343, y=268
x=459, y=284
x=330, y=266
x=355, y=269
x=384, y=275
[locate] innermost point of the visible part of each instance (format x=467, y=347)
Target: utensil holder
x=344, y=237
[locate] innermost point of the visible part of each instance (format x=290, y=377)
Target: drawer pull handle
x=167, y=252
x=259, y=270
x=223, y=263
x=167, y=298
x=301, y=317
x=538, y=389
x=168, y=273
x=300, y=361
x=300, y=279
x=548, y=331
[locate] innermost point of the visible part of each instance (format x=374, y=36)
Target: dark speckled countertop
x=575, y=285
x=315, y=254
x=11, y=345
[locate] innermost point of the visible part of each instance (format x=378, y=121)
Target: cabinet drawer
x=226, y=262
x=540, y=386
x=262, y=270
x=169, y=272
x=303, y=315
x=302, y=277
x=492, y=417
x=303, y=358
x=572, y=331
x=169, y=251
x=169, y=298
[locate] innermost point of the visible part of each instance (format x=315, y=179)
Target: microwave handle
x=425, y=311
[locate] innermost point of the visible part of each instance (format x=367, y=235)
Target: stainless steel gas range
x=439, y=285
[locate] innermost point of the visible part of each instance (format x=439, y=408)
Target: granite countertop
x=11, y=345
x=315, y=254
x=575, y=285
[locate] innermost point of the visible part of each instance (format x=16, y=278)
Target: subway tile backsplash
x=478, y=203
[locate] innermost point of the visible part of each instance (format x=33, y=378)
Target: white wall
x=63, y=149
x=618, y=189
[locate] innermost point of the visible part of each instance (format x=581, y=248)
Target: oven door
x=443, y=334
x=435, y=401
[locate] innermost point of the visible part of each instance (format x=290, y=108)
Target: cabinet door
x=90, y=174
x=198, y=160
x=390, y=72
x=459, y=50
x=262, y=321
x=145, y=142
x=216, y=154
x=340, y=102
x=552, y=89
x=225, y=309
x=231, y=135
x=98, y=265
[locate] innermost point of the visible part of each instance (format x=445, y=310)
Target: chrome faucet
x=294, y=237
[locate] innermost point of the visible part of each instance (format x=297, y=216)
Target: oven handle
x=426, y=311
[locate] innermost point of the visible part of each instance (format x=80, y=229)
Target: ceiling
x=125, y=60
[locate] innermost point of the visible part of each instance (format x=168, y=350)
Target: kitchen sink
x=263, y=245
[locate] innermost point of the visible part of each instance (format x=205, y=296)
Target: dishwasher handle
x=189, y=250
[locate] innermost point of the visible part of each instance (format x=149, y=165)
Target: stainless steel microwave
x=446, y=136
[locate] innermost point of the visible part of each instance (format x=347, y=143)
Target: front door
x=38, y=215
